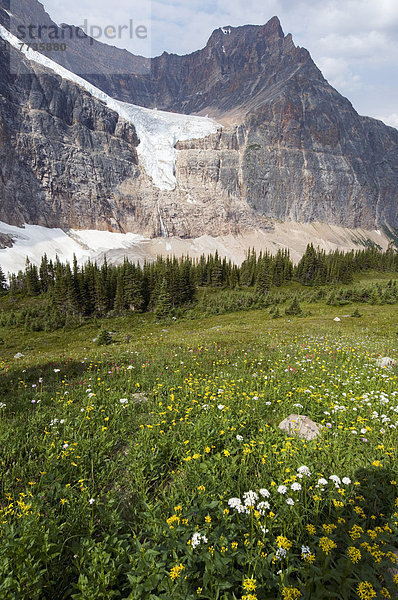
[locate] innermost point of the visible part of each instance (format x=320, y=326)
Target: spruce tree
x=163, y=305
x=294, y=308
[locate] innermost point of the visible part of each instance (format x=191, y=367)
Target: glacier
x=158, y=131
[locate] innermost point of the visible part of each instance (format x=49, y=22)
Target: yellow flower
x=365, y=590
x=249, y=584
x=338, y=503
x=283, y=542
x=385, y=593
x=63, y=501
x=356, y=532
x=354, y=554
x=176, y=571
x=291, y=593
x=311, y=529
x=208, y=519
x=326, y=544
x=172, y=521
x=329, y=528
x=234, y=545
x=308, y=558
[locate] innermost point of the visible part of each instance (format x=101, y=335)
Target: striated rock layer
x=292, y=148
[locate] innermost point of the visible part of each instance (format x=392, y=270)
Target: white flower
x=91, y=501
x=322, y=481
x=290, y=501
x=239, y=438
x=305, y=550
x=130, y=367
x=220, y=406
x=197, y=538
x=123, y=400
x=280, y=553
x=263, y=506
x=57, y=370
x=282, y=489
x=296, y=487
x=264, y=492
x=2, y=405
x=250, y=498
x=236, y=504
x=205, y=406
x=363, y=430
x=336, y=480
x=303, y=470
x=346, y=480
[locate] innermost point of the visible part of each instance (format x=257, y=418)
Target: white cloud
x=337, y=71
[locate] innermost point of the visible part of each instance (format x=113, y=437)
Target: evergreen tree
x=163, y=305
x=294, y=308
x=120, y=303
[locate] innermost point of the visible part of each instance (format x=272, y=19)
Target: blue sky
x=353, y=42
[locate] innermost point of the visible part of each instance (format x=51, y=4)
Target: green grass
x=103, y=496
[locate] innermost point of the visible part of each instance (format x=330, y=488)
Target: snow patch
x=33, y=241
x=157, y=130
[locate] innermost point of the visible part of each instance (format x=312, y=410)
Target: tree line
x=73, y=291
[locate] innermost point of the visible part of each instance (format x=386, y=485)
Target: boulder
x=385, y=361
x=300, y=426
x=138, y=398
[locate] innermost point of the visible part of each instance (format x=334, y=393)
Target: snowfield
x=33, y=241
x=158, y=131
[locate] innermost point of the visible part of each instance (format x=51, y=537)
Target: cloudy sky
x=354, y=42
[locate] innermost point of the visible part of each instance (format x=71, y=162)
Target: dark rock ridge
x=292, y=147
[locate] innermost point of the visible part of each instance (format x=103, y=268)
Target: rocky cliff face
x=291, y=148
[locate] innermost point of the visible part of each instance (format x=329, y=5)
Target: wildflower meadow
x=152, y=467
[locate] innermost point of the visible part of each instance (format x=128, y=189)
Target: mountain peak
x=273, y=27
x=272, y=30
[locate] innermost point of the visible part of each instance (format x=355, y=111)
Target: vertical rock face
x=62, y=153
x=291, y=148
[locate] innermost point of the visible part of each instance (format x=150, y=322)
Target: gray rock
x=386, y=361
x=300, y=426
x=139, y=398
